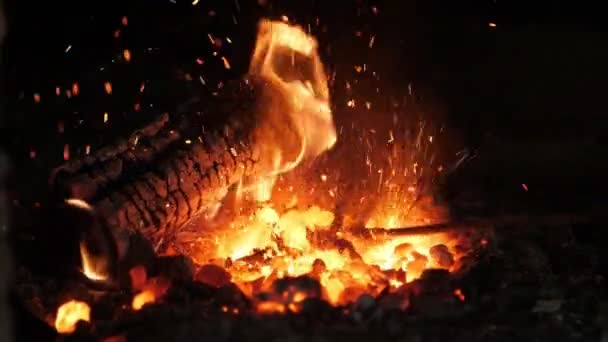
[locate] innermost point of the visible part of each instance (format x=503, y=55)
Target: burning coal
x=69, y=314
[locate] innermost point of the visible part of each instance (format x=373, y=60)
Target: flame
x=69, y=313
x=286, y=235
x=94, y=268
x=296, y=119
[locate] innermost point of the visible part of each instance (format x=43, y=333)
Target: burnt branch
x=192, y=178
x=83, y=178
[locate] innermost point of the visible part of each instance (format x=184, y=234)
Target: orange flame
x=69, y=313
x=296, y=119
x=94, y=268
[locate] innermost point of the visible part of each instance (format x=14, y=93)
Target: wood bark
x=160, y=177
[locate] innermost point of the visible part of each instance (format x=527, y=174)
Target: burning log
x=179, y=187
x=164, y=175
x=158, y=187
x=83, y=178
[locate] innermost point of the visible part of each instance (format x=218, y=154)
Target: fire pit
x=252, y=216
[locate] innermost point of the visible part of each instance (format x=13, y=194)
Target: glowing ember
x=143, y=298
x=153, y=290
x=69, y=313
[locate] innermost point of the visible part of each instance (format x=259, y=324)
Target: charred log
x=83, y=178
x=174, y=168
x=181, y=186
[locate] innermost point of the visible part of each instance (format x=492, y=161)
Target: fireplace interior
x=266, y=170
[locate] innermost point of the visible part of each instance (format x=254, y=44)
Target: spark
x=524, y=186
x=68, y=48
x=37, y=98
x=124, y=21
x=66, y=152
x=458, y=293
x=105, y=117
x=226, y=63
x=492, y=25
x=108, y=87
x=127, y=55
x=195, y=2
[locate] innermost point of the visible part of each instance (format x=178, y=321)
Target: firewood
x=184, y=184
x=84, y=177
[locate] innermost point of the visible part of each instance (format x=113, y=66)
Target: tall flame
x=296, y=119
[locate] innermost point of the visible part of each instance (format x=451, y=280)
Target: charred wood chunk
x=161, y=176
x=85, y=178
x=178, y=189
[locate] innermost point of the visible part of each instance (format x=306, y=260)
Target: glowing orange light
x=143, y=298
x=94, y=268
x=458, y=293
x=69, y=313
x=66, y=152
x=127, y=55
x=108, y=87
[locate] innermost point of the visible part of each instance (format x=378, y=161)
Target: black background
x=538, y=76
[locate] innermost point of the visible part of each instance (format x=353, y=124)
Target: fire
x=294, y=108
x=288, y=243
x=94, y=268
x=69, y=313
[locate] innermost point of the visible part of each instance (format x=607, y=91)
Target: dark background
x=528, y=94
